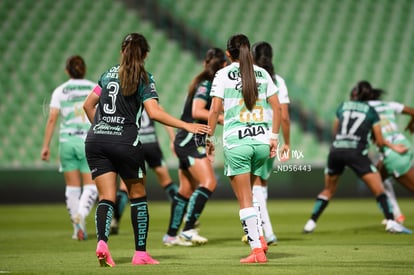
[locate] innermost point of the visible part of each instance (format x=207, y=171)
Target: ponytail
x=249, y=86
x=131, y=70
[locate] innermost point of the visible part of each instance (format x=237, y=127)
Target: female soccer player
x=245, y=91
x=67, y=100
x=196, y=173
x=154, y=159
x=392, y=164
x=262, y=56
x=112, y=145
x=353, y=125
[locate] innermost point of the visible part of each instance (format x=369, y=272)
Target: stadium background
x=322, y=48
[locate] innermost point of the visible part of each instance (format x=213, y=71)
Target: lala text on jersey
x=251, y=131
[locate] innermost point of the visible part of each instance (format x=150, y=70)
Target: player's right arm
x=50, y=128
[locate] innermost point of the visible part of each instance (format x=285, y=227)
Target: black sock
x=385, y=206
x=178, y=209
x=195, y=206
x=103, y=217
x=140, y=222
x=171, y=189
x=319, y=207
x=121, y=202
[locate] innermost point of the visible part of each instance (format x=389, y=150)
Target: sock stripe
x=248, y=217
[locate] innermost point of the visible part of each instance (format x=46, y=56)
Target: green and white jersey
x=147, y=133
x=283, y=94
x=283, y=90
x=386, y=111
x=242, y=126
x=69, y=98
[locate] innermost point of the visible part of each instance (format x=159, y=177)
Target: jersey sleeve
x=271, y=87
x=396, y=107
x=338, y=112
x=217, y=88
x=373, y=115
x=55, y=101
x=102, y=80
x=202, y=91
x=97, y=90
x=150, y=91
x=283, y=90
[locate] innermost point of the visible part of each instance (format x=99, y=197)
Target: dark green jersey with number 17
x=356, y=119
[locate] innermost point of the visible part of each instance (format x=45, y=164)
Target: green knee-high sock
x=140, y=222
x=320, y=204
x=385, y=206
x=171, y=189
x=103, y=217
x=120, y=204
x=195, y=206
x=178, y=208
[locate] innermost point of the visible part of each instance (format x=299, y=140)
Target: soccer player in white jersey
x=67, y=101
x=262, y=56
x=393, y=165
x=244, y=91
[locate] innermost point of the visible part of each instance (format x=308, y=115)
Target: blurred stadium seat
x=322, y=48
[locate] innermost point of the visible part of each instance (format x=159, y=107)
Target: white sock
x=75, y=230
x=257, y=207
x=87, y=200
x=72, y=195
x=259, y=193
x=248, y=218
x=389, y=191
x=264, y=189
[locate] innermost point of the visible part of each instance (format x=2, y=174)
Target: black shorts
x=125, y=160
x=188, y=152
x=354, y=159
x=152, y=154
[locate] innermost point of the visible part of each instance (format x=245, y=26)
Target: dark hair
x=213, y=62
x=362, y=91
x=262, y=56
x=238, y=47
x=377, y=93
x=134, y=49
x=75, y=66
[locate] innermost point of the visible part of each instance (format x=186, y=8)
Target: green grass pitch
x=349, y=239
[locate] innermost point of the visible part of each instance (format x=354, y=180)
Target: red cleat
x=257, y=256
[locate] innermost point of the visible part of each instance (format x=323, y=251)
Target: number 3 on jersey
x=113, y=88
x=255, y=115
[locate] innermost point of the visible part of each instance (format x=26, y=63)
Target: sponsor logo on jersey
x=251, y=131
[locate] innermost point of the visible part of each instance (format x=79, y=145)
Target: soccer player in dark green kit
x=355, y=120
x=113, y=146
